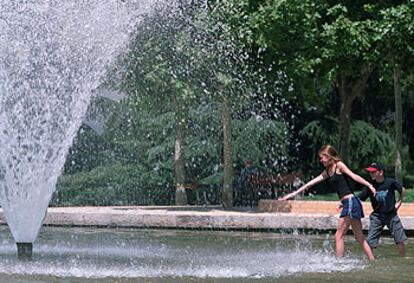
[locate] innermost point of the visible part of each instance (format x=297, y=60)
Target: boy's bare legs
x=341, y=229
x=359, y=236
x=401, y=249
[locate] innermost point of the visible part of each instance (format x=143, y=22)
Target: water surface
x=127, y=255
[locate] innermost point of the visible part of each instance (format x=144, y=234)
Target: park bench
x=267, y=187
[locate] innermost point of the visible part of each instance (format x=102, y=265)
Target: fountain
x=53, y=54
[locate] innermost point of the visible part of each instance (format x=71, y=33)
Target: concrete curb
x=192, y=217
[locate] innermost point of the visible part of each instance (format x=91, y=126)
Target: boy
x=385, y=207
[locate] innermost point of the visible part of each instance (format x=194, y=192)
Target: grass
x=408, y=196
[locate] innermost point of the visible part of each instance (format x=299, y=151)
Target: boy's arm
x=364, y=194
x=399, y=202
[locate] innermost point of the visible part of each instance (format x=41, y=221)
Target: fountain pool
x=127, y=255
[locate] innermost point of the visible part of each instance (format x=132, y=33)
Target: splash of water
x=143, y=254
x=53, y=54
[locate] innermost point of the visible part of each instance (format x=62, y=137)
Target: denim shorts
x=352, y=207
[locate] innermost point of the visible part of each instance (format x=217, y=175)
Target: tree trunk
x=410, y=117
x=398, y=123
x=344, y=119
x=349, y=89
x=227, y=194
x=180, y=194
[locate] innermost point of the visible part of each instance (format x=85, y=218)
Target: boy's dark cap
x=376, y=166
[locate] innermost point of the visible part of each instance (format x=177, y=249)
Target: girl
x=351, y=206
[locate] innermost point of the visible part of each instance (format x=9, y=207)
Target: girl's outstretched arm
x=344, y=169
x=306, y=186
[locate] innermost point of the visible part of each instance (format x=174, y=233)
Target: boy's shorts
x=352, y=207
x=377, y=223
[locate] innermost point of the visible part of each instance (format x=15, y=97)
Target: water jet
x=53, y=55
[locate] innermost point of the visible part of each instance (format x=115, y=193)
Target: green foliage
x=408, y=196
x=161, y=68
x=115, y=185
x=324, y=131
x=368, y=143
x=184, y=62
x=395, y=37
x=407, y=167
x=138, y=165
x=89, y=152
x=308, y=39
x=324, y=197
x=265, y=142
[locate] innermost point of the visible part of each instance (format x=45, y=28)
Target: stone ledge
x=329, y=207
x=204, y=217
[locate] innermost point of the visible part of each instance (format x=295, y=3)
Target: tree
x=226, y=75
x=178, y=65
x=159, y=71
x=315, y=41
x=368, y=142
x=395, y=40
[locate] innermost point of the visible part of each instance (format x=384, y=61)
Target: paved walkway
x=270, y=215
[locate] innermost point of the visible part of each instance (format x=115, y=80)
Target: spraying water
x=53, y=54
x=120, y=255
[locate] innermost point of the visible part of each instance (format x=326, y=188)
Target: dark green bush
x=115, y=185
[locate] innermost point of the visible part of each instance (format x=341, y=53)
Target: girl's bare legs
x=341, y=229
x=359, y=236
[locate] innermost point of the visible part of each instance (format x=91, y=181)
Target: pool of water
x=127, y=255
